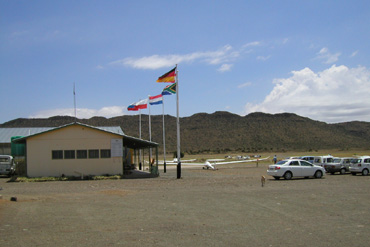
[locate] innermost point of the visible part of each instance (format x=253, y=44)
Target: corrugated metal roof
x=128, y=141
x=114, y=129
x=7, y=133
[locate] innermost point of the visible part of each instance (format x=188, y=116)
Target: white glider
x=174, y=161
x=211, y=163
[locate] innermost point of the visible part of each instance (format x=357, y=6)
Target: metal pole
x=74, y=99
x=164, y=138
x=156, y=161
x=178, y=126
x=140, y=138
x=150, y=132
x=134, y=159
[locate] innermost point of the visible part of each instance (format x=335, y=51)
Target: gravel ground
x=227, y=207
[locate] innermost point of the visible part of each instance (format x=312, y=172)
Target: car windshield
x=336, y=160
x=329, y=160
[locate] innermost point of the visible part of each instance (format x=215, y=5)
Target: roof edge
x=149, y=143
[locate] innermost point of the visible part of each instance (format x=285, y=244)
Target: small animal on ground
x=263, y=181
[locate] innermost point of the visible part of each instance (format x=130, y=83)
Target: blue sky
x=305, y=57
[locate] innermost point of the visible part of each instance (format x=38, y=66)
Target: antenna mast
x=74, y=98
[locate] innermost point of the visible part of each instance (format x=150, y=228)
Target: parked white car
x=360, y=165
x=290, y=168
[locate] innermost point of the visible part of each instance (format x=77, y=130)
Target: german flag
x=168, y=77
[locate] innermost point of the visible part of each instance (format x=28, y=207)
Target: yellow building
x=80, y=150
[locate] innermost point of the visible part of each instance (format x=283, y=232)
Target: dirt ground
x=227, y=207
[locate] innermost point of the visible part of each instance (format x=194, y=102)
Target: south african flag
x=171, y=89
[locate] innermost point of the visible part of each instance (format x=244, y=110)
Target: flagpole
x=164, y=138
x=140, y=138
x=74, y=99
x=150, y=132
x=178, y=126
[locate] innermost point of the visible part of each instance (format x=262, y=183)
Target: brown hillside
x=224, y=131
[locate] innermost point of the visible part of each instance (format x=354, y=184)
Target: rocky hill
x=224, y=131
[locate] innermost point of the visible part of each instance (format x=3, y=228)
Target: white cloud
x=254, y=43
x=327, y=57
x=108, y=112
x=247, y=84
x=225, y=67
x=354, y=53
x=285, y=41
x=337, y=94
x=20, y=33
x=263, y=58
x=223, y=55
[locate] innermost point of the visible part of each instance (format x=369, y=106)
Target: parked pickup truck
x=340, y=165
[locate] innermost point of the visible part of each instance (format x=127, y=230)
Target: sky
x=311, y=58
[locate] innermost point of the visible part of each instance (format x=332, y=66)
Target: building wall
x=5, y=148
x=74, y=137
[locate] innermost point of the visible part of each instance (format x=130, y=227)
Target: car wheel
x=276, y=177
x=342, y=171
x=365, y=172
x=318, y=174
x=288, y=175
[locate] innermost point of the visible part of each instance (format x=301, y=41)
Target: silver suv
x=360, y=165
x=322, y=160
x=340, y=165
x=308, y=158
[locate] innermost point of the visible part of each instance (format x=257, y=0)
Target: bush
x=175, y=154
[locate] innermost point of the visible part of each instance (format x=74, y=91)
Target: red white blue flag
x=156, y=100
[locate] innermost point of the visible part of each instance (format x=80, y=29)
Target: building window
x=94, y=154
x=105, y=153
x=81, y=154
x=69, y=154
x=57, y=154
